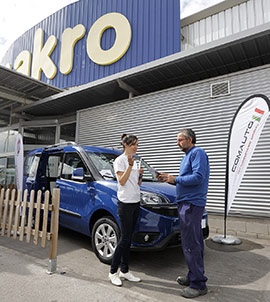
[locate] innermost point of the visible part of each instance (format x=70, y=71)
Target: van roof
x=100, y=149
x=74, y=147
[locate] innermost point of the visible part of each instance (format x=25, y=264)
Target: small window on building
x=67, y=132
x=3, y=169
x=10, y=171
x=220, y=89
x=41, y=136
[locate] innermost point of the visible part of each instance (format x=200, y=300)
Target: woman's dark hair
x=128, y=139
x=189, y=133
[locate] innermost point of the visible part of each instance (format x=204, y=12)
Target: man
x=191, y=191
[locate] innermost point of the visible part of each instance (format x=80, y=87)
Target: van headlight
x=149, y=198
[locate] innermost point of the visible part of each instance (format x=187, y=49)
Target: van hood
x=168, y=190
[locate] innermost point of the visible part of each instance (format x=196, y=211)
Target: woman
x=129, y=177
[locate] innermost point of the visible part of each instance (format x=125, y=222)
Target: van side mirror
x=78, y=174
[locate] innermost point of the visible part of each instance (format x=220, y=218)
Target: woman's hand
x=131, y=160
x=122, y=177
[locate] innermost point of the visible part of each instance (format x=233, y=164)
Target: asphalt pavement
x=239, y=273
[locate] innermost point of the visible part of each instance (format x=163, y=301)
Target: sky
x=17, y=16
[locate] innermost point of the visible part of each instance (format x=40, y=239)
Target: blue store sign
x=92, y=39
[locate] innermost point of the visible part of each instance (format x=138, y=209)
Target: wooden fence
x=20, y=218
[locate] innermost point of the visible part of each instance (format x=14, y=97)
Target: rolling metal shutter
x=157, y=118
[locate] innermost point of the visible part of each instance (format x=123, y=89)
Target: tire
x=105, y=237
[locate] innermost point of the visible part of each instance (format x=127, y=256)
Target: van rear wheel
x=105, y=237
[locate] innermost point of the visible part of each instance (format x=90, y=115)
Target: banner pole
x=245, y=130
x=225, y=228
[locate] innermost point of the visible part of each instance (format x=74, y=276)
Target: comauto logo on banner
x=246, y=141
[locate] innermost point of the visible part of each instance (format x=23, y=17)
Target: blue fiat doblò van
x=88, y=197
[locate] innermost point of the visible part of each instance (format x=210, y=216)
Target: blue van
x=88, y=197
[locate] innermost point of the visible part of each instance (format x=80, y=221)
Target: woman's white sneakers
x=129, y=276
x=116, y=279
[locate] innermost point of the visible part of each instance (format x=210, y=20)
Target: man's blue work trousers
x=192, y=242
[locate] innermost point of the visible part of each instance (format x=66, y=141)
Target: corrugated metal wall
x=230, y=21
x=156, y=119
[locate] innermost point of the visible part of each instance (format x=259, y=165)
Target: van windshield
x=104, y=164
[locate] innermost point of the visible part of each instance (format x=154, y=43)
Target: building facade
x=224, y=59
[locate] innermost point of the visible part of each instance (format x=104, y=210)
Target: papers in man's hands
x=154, y=171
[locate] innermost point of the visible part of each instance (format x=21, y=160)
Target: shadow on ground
x=233, y=272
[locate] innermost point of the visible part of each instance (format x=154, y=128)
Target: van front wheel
x=105, y=236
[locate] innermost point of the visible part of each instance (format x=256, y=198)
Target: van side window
x=71, y=162
x=31, y=165
x=52, y=169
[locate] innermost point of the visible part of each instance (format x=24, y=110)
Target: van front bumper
x=156, y=231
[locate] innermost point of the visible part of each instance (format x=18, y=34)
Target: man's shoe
x=115, y=280
x=189, y=292
x=183, y=280
x=129, y=276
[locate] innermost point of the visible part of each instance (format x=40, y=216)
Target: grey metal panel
x=156, y=119
x=224, y=23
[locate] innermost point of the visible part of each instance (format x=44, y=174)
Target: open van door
x=31, y=166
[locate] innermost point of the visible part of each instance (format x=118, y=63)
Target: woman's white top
x=130, y=192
